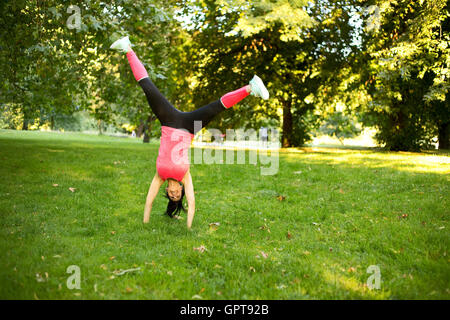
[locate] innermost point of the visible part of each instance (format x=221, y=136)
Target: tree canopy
x=326, y=63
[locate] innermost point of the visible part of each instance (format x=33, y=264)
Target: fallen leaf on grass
x=112, y=258
x=289, y=235
x=55, y=185
x=152, y=263
x=264, y=227
x=72, y=189
x=39, y=278
x=201, y=249
x=214, y=226
x=264, y=255
x=396, y=251
x=281, y=198
x=351, y=269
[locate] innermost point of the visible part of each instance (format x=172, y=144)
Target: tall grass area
x=310, y=231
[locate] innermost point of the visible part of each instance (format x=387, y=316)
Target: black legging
x=169, y=116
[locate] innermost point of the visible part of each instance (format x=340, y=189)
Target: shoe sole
x=115, y=44
x=262, y=88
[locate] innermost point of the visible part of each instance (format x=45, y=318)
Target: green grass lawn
x=344, y=210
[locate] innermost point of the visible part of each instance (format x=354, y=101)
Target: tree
x=406, y=70
x=39, y=73
x=58, y=59
x=299, y=50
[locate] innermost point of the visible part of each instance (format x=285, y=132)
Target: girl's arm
x=152, y=192
x=189, y=191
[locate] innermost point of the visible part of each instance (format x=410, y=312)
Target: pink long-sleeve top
x=173, y=156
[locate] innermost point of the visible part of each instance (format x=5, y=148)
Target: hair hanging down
x=174, y=207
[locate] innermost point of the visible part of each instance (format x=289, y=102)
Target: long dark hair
x=174, y=207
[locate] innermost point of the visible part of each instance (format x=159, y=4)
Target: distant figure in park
x=177, y=132
x=133, y=134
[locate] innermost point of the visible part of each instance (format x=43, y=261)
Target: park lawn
x=311, y=231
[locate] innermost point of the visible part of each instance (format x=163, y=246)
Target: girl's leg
x=206, y=113
x=162, y=108
x=233, y=97
x=202, y=116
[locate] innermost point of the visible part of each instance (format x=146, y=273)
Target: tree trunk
x=444, y=136
x=99, y=125
x=25, y=120
x=286, y=138
x=148, y=129
x=25, y=124
x=146, y=137
x=52, y=122
x=140, y=129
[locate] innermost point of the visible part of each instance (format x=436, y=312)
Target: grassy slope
x=344, y=211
